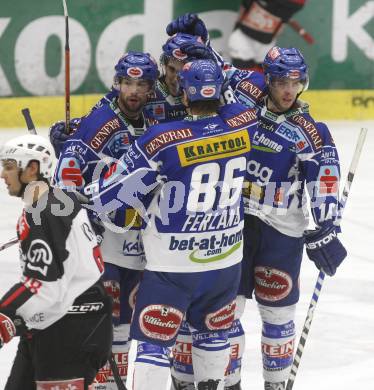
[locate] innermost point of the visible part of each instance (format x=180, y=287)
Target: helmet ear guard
x=28, y=148
x=201, y=80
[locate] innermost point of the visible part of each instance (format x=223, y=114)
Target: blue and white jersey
x=291, y=155
x=164, y=107
x=104, y=133
x=249, y=87
x=186, y=177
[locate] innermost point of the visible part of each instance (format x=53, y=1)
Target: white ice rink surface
x=339, y=353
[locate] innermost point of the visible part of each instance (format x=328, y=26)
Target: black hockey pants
x=76, y=346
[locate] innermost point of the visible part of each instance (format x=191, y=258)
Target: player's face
x=134, y=95
x=172, y=68
x=10, y=173
x=283, y=93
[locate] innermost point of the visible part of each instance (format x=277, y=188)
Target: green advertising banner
x=32, y=38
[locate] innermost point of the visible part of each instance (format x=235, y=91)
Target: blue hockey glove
x=197, y=51
x=324, y=249
x=58, y=136
x=190, y=24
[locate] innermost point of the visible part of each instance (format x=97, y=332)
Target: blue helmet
x=285, y=62
x=171, y=48
x=202, y=80
x=136, y=65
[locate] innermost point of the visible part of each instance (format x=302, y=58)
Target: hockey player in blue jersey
x=182, y=369
x=187, y=177
x=164, y=104
x=292, y=155
x=107, y=132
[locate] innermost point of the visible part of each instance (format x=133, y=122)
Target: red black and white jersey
x=60, y=259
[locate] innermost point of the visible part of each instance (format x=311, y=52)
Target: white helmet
x=29, y=147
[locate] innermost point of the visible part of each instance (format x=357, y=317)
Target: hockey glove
x=190, y=24
x=324, y=249
x=7, y=329
x=197, y=51
x=58, y=136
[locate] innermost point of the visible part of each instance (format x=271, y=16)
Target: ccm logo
x=86, y=307
x=324, y=241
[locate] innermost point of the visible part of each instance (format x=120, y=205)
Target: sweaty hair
x=205, y=105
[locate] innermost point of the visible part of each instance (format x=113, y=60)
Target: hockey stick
x=116, y=375
x=29, y=122
x=321, y=275
x=67, y=69
x=295, y=25
x=9, y=243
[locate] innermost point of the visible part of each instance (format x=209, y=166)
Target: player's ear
x=33, y=169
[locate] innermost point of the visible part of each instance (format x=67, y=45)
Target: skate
x=176, y=384
x=275, y=386
x=237, y=386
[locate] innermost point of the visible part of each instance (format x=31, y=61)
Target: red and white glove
x=7, y=329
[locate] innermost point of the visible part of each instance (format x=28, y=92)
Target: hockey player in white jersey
x=59, y=308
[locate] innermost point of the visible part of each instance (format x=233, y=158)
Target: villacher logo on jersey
x=160, y=322
x=222, y=318
x=272, y=284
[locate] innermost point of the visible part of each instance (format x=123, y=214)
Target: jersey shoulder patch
x=159, y=136
x=98, y=126
x=308, y=126
x=238, y=115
